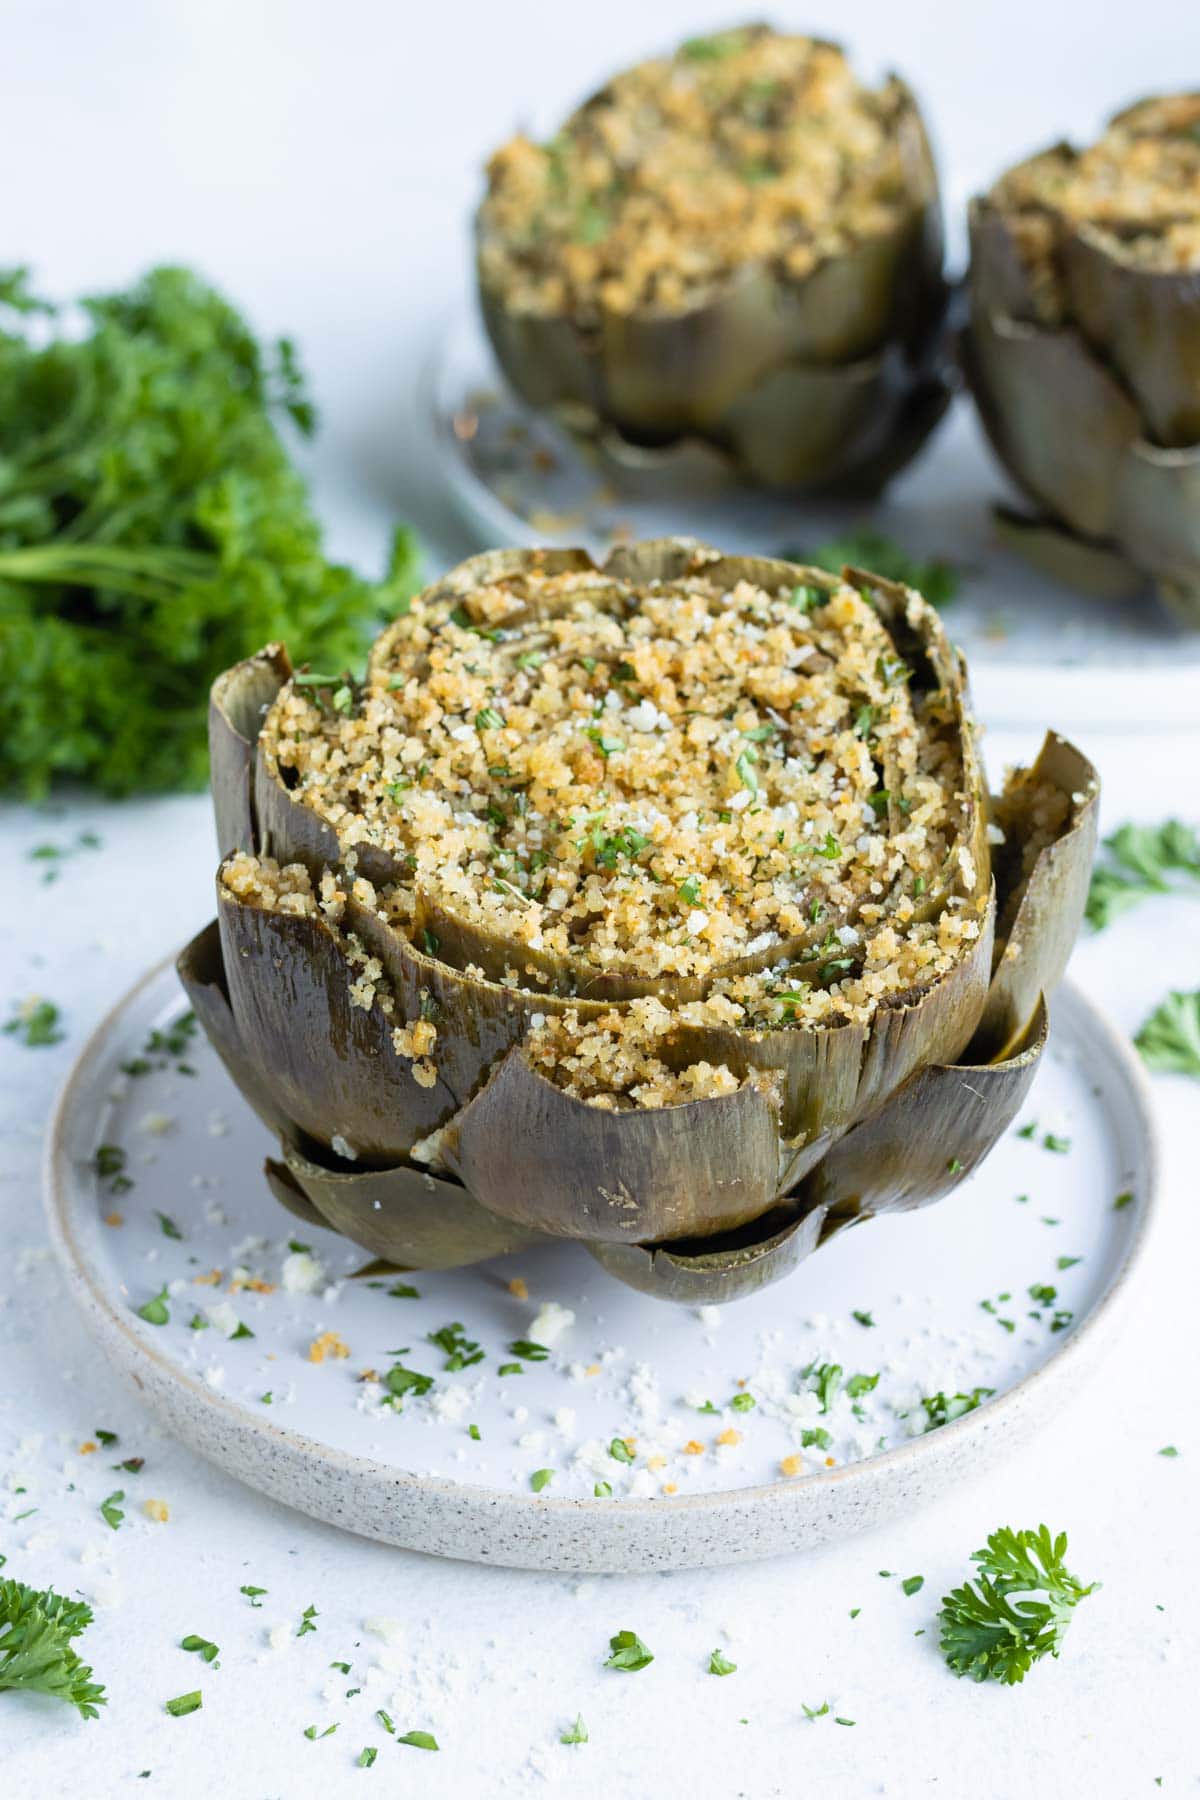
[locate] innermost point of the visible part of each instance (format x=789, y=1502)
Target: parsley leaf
x=986, y=1632
x=35, y=1022
x=938, y=581
x=420, y=1740
x=36, y=1654
x=628, y=1652
x=1169, y=1040
x=576, y=1733
x=720, y=1665
x=1136, y=863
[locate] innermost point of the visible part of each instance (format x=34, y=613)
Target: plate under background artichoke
x=658, y=904
x=1083, y=351
x=737, y=247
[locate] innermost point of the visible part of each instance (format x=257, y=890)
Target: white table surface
x=319, y=163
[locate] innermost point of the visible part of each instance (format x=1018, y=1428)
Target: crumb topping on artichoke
x=1137, y=189
x=744, y=147
x=649, y=782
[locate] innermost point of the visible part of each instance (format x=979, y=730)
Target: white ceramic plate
x=703, y=1486
x=1040, y=653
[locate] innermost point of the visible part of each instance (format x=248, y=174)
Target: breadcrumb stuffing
x=744, y=147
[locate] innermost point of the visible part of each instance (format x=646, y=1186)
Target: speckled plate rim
x=446, y=1518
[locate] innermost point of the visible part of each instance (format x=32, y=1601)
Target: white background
x=319, y=163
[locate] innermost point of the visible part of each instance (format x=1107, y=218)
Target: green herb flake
x=912, y=1584
x=628, y=1653
x=461, y=1351
x=861, y=1384
x=815, y=1712
x=619, y=1450
x=541, y=1478
x=306, y=1621
x=419, y=1740
x=602, y=1490
x=254, y=1594
x=1122, y=1201
x=743, y=1402
x=864, y=1318
x=400, y=1290
x=576, y=1733
x=473, y=1432
x=1168, y=1450
x=530, y=1351
x=35, y=1023
x=1138, y=862
x=366, y=1757
x=202, y=1647
x=720, y=1665
x=183, y=1704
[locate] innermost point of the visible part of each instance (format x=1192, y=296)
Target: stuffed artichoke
x=658, y=904
x=1083, y=350
x=739, y=245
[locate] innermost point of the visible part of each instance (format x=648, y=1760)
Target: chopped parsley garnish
x=253, y=1594
x=602, y=1490
x=954, y=1166
x=992, y=1627
x=400, y=1290
x=828, y=1379
x=720, y=1665
x=36, y=1652
x=35, y=1024
x=1168, y=1450
x=311, y=1732
x=1137, y=862
x=689, y=890
x=619, y=1450
x=155, y=1311
x=109, y=1164
x=473, y=1432
x=941, y=1408
x=511, y=1368
x=530, y=1351
x=576, y=1733
x=168, y=1227
x=815, y=1437
x=110, y=1509
x=628, y=1653
x=743, y=1402
x=541, y=1478
x=1169, y=1040
x=306, y=1621
x=461, y=1351
x=203, y=1647
x=745, y=769
x=183, y=1704
x=366, y=1756
x=864, y=1318
x=1059, y=1145
x=107, y=1438
x=861, y=1384
x=1122, y=1201
x=912, y=1584
x=815, y=1712
x=420, y=1740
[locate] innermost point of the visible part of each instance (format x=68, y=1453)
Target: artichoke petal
x=1041, y=911
x=533, y=1153
x=404, y=1215
x=201, y=969
x=928, y=1136
x=1095, y=568
x=237, y=702
x=715, y=1270
x=328, y=1064
x=289, y=1194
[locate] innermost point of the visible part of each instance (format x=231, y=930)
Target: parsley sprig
x=36, y=1632
x=1170, y=1038
x=1137, y=862
x=988, y=1632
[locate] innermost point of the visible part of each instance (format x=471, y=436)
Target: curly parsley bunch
x=152, y=531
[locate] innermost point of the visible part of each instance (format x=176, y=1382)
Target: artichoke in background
x=1083, y=351
x=658, y=904
x=738, y=246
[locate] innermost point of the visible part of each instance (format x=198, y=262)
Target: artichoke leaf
x=404, y=1215
x=1146, y=322
x=201, y=970
x=1041, y=912
x=290, y=1194
x=928, y=1137
x=712, y=1271
x=1095, y=568
x=237, y=702
x=535, y=1154
x=328, y=1064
